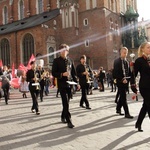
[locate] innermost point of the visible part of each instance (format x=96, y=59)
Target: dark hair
x=82, y=57
x=32, y=62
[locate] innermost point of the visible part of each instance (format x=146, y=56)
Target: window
x=113, y=5
x=5, y=15
x=87, y=4
x=51, y=57
x=21, y=9
x=40, y=6
x=122, y=6
x=66, y=16
x=87, y=43
x=27, y=47
x=85, y=22
x=76, y=19
x=94, y=3
x=111, y=24
x=58, y=3
x=5, y=51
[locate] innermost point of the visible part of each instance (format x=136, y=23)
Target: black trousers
x=102, y=84
x=41, y=92
x=84, y=95
x=6, y=92
x=65, y=95
x=34, y=95
x=122, y=102
x=145, y=107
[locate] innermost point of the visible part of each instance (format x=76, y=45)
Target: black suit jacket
x=82, y=78
x=59, y=67
x=141, y=65
x=30, y=75
x=118, y=72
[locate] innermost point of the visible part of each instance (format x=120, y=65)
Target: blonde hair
x=141, y=47
x=124, y=48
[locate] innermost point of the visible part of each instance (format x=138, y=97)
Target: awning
x=29, y=22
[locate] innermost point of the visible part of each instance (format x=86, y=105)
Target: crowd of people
x=68, y=79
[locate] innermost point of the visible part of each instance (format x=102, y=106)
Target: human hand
x=134, y=89
x=65, y=74
x=125, y=81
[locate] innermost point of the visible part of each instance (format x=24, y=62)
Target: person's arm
x=55, y=71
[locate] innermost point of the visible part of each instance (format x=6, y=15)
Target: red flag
x=13, y=71
x=15, y=82
x=32, y=58
x=1, y=63
x=22, y=68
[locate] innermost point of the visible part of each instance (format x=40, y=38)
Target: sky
x=143, y=7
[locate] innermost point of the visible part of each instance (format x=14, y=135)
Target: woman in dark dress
x=142, y=65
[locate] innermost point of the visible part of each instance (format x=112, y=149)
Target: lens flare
x=98, y=36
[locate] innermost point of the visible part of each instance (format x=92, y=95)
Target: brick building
x=90, y=27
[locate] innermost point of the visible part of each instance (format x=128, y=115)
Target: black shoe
x=63, y=120
x=33, y=110
x=129, y=116
x=88, y=107
x=119, y=112
x=70, y=125
x=138, y=127
x=37, y=113
x=6, y=103
x=82, y=106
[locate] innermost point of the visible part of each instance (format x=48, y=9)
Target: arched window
x=87, y=4
x=40, y=6
x=85, y=22
x=5, y=51
x=66, y=16
x=58, y=3
x=94, y=4
x=21, y=9
x=27, y=47
x=5, y=14
x=51, y=57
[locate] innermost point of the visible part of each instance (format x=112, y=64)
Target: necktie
x=125, y=68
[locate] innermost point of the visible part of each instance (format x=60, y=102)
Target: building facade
x=90, y=27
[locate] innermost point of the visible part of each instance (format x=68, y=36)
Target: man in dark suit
x=63, y=69
x=83, y=76
x=40, y=71
x=101, y=77
x=122, y=75
x=34, y=89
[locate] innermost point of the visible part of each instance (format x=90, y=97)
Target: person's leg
x=123, y=100
x=5, y=95
x=145, y=108
x=84, y=97
x=65, y=104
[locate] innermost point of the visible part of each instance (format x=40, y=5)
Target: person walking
x=5, y=87
x=101, y=77
x=32, y=78
x=142, y=66
x=63, y=69
x=122, y=75
x=83, y=76
x=40, y=72
x=23, y=88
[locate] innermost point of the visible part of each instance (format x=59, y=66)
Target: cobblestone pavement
x=97, y=129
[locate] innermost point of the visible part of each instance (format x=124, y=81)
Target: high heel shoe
x=139, y=128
